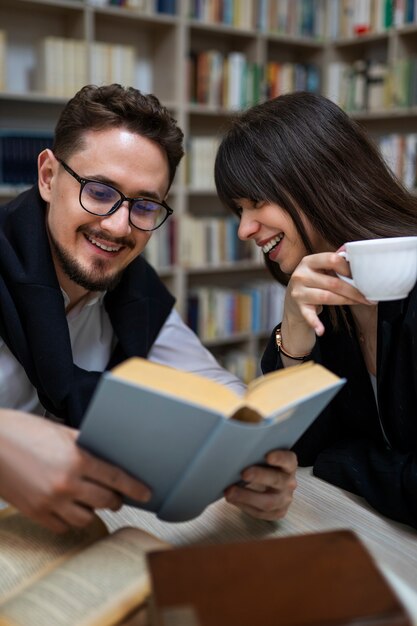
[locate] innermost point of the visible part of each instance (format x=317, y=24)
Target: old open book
x=83, y=578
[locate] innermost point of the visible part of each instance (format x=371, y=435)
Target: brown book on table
x=320, y=579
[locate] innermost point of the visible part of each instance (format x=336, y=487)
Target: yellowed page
x=96, y=587
x=28, y=551
x=280, y=388
x=193, y=388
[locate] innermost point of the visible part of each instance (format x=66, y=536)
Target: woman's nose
x=248, y=227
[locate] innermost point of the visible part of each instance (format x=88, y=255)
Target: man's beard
x=92, y=280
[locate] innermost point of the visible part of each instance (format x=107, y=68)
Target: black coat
x=32, y=311
x=353, y=445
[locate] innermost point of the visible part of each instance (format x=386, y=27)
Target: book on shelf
x=220, y=312
x=166, y=6
x=3, y=40
x=327, y=578
x=213, y=241
x=160, y=250
x=19, y=151
x=61, y=68
x=188, y=437
x=229, y=12
x=400, y=154
x=85, y=577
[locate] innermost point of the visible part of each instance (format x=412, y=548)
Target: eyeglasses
x=102, y=199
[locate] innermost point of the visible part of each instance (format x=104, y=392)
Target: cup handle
x=348, y=280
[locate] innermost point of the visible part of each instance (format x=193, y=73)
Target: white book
x=361, y=16
x=337, y=82
x=410, y=161
x=81, y=75
x=50, y=66
x=236, y=68
x=100, y=63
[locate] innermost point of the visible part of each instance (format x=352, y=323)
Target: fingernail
x=145, y=495
x=248, y=475
x=230, y=493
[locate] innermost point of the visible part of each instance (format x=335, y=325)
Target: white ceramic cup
x=382, y=269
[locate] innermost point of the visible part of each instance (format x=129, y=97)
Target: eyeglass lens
x=100, y=199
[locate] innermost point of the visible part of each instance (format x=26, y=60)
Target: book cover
x=326, y=579
x=188, y=437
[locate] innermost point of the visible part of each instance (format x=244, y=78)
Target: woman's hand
x=314, y=283
x=270, y=489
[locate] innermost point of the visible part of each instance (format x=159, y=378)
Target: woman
x=304, y=179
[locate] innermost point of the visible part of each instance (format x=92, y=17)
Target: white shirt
x=92, y=340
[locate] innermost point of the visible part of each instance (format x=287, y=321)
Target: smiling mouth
x=107, y=248
x=272, y=243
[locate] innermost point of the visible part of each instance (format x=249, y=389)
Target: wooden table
x=317, y=506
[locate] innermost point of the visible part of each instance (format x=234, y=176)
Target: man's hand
x=45, y=475
x=269, y=491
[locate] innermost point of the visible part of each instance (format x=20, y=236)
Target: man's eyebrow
x=142, y=193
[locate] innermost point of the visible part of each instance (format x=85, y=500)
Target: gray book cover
x=185, y=452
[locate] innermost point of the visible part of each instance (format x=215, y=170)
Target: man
x=76, y=298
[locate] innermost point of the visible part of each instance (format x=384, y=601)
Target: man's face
x=90, y=252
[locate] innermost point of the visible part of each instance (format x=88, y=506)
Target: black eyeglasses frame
x=83, y=181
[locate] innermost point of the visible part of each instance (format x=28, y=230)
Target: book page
x=167, y=380
x=28, y=551
x=96, y=587
x=280, y=388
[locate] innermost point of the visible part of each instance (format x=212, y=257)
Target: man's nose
x=118, y=222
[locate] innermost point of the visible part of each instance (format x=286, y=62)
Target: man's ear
x=47, y=169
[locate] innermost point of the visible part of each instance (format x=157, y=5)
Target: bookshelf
x=204, y=64
x=371, y=61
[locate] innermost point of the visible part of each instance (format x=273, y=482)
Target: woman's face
x=273, y=230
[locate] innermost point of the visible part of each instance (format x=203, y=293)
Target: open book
x=188, y=437
x=82, y=578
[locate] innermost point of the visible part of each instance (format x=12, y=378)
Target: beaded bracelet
x=278, y=340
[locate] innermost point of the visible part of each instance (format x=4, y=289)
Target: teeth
x=272, y=243
x=103, y=247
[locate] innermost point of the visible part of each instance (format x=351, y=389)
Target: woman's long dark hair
x=304, y=153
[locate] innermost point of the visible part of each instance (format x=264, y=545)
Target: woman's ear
x=47, y=168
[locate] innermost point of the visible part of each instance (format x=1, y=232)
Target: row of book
x=300, y=18
x=352, y=18
x=62, y=69
x=243, y=365
x=238, y=14
x=18, y=155
x=205, y=242
x=223, y=80
x=218, y=312
x=231, y=81
x=296, y=18
x=213, y=241
x=161, y=249
x=286, y=77
x=317, y=19
x=400, y=152
x=140, y=6
x=373, y=86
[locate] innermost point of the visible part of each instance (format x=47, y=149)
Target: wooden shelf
x=162, y=44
